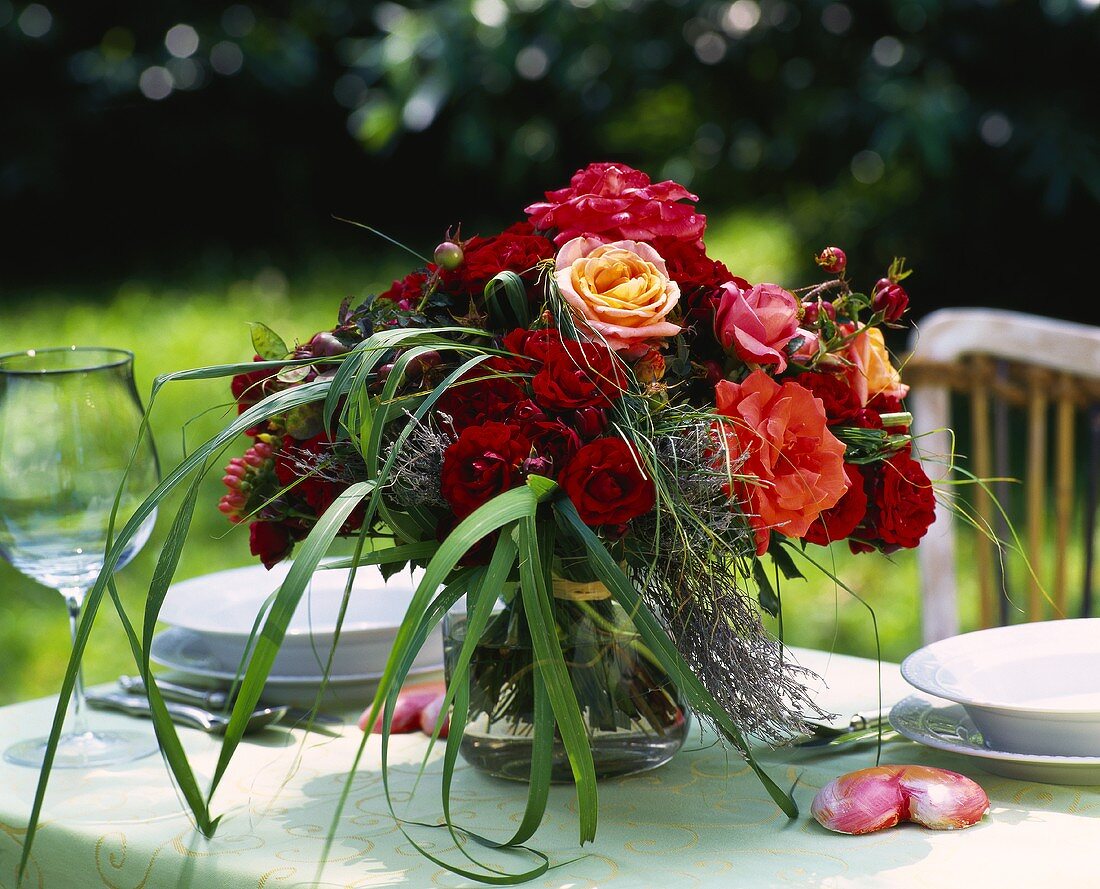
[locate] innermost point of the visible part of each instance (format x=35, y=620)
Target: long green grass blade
x=655, y=637
x=550, y=662
x=310, y=553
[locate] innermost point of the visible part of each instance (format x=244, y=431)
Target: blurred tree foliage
x=155, y=137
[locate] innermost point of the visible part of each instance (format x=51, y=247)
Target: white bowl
x=1029, y=688
x=218, y=611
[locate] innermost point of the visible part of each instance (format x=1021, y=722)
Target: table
x=702, y=820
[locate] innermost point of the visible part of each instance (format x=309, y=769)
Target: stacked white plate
x=1024, y=699
x=210, y=618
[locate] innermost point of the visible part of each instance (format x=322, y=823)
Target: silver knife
x=191, y=715
x=215, y=699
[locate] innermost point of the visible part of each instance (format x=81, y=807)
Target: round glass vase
x=635, y=716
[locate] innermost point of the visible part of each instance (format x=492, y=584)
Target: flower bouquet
x=603, y=448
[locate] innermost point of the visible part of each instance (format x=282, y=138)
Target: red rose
x=301, y=464
x=905, y=500
x=689, y=266
x=490, y=398
x=840, y=520
x=527, y=349
x=251, y=388
x=406, y=293
x=482, y=463
x=554, y=441
x=270, y=541
x=613, y=202
x=517, y=249
x=576, y=375
x=840, y=400
x=605, y=483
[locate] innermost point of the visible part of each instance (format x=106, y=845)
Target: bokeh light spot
x=35, y=20
x=156, y=83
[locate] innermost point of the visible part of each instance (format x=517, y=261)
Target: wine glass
x=69, y=418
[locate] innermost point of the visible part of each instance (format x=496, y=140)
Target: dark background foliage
x=178, y=138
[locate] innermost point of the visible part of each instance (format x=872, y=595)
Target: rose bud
x=406, y=712
x=889, y=298
x=420, y=365
x=832, y=260
x=448, y=256
x=589, y=422
x=650, y=368
x=537, y=465
x=812, y=311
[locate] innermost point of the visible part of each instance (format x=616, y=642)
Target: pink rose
x=757, y=325
x=622, y=291
x=615, y=201
x=808, y=346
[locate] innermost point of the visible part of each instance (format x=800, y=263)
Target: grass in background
x=176, y=327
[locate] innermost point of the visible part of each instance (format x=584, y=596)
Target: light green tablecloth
x=703, y=820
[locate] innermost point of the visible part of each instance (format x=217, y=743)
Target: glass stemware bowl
x=69, y=418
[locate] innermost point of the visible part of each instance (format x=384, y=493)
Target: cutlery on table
x=191, y=715
x=861, y=725
x=218, y=700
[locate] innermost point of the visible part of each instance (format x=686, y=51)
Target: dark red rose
x=841, y=401
x=901, y=506
x=517, y=249
x=885, y=404
x=576, y=375
x=270, y=541
x=406, y=292
x=614, y=201
x=527, y=350
x=906, y=501
x=840, y=520
x=482, y=397
x=554, y=441
x=605, y=483
x=482, y=463
x=251, y=388
x=302, y=464
x=590, y=422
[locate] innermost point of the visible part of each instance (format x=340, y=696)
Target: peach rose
x=622, y=290
x=795, y=462
x=871, y=372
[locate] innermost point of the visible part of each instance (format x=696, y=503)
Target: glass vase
x=635, y=716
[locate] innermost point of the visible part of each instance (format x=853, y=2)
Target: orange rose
x=622, y=290
x=871, y=372
x=795, y=462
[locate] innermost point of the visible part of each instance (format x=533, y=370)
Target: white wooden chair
x=992, y=368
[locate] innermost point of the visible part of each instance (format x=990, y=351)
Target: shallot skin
x=880, y=797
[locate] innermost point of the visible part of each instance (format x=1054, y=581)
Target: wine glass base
x=85, y=750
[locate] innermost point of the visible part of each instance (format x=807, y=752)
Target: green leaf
x=506, y=300
x=769, y=601
x=267, y=343
x=785, y=563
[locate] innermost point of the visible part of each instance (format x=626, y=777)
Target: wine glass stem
x=74, y=599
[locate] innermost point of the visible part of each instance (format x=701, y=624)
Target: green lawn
x=186, y=325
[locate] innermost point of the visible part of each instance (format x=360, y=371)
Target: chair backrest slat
x=1044, y=372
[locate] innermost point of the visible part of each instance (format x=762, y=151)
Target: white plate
x=946, y=726
x=1030, y=688
x=211, y=617
x=191, y=652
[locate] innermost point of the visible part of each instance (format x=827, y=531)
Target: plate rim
x=942, y=704
x=359, y=628
x=907, y=667
x=285, y=678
